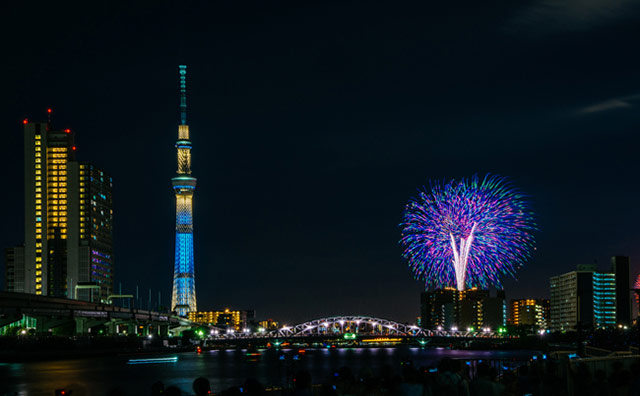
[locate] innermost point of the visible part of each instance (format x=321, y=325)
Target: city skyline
x=311, y=139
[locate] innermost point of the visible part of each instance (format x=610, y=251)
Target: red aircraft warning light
x=25, y=121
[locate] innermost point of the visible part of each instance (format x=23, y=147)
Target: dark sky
x=312, y=126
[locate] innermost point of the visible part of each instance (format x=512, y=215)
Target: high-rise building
x=571, y=300
x=14, y=269
x=91, y=246
x=604, y=299
x=585, y=298
x=47, y=153
x=530, y=312
x=439, y=308
x=471, y=308
x=494, y=312
x=477, y=309
x=183, y=298
x=620, y=267
x=57, y=211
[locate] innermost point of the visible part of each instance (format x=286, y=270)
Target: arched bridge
x=338, y=326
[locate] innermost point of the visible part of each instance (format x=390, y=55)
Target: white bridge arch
x=348, y=324
x=354, y=324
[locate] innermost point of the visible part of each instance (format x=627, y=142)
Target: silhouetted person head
x=157, y=388
x=201, y=386
x=172, y=391
x=302, y=380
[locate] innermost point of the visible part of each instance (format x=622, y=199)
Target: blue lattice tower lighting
x=184, y=287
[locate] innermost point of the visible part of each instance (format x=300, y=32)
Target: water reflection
x=223, y=368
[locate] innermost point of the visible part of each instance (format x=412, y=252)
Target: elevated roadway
x=53, y=314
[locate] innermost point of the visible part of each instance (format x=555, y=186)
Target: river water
x=96, y=376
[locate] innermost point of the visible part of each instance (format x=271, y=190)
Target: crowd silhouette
x=449, y=378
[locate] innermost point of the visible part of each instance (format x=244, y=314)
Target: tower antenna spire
x=183, y=94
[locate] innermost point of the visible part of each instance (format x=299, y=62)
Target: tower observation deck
x=183, y=299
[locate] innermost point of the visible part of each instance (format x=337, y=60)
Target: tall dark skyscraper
x=91, y=246
x=449, y=307
x=439, y=308
x=183, y=299
x=620, y=267
x=572, y=300
x=61, y=211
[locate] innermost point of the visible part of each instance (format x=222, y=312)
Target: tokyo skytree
x=183, y=299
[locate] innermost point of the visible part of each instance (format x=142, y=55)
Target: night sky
x=312, y=126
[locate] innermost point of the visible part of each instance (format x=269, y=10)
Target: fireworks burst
x=467, y=233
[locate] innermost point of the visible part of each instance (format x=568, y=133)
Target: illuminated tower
x=184, y=287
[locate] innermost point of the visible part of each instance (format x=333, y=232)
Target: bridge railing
x=353, y=325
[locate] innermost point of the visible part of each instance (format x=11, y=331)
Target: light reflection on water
x=223, y=369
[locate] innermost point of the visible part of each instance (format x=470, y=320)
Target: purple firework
x=467, y=232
